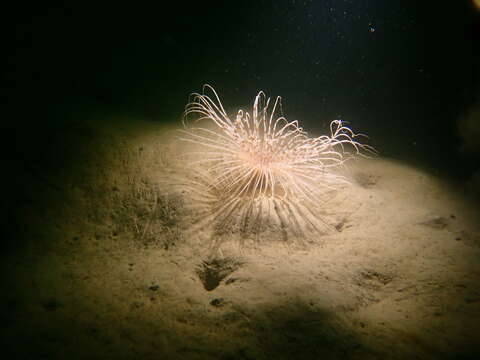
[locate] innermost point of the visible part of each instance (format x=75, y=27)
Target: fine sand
x=106, y=260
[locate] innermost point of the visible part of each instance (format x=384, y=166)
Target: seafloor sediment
x=105, y=259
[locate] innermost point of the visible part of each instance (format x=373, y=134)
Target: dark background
x=401, y=71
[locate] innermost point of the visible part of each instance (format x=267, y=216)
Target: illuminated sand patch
x=112, y=268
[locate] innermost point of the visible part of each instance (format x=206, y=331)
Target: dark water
x=403, y=72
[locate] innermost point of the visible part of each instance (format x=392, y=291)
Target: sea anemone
x=260, y=168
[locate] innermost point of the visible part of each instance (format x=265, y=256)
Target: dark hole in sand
x=212, y=272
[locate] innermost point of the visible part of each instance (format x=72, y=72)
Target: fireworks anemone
x=260, y=167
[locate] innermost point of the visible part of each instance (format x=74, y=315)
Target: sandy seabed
x=106, y=262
